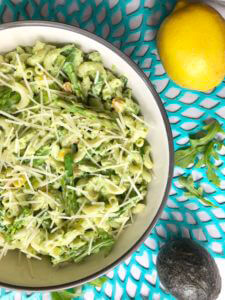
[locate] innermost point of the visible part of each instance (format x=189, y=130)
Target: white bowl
x=17, y=275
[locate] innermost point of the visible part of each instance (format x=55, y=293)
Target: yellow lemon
x=191, y=45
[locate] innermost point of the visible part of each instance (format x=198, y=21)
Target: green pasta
x=74, y=160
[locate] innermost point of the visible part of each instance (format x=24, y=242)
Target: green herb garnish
x=77, y=292
x=192, y=191
x=203, y=151
x=66, y=295
x=8, y=99
x=103, y=242
x=98, y=282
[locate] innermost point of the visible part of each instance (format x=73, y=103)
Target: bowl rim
x=158, y=101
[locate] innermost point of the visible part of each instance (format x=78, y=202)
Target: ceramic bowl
x=43, y=276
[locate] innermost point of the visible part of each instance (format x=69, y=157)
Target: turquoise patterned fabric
x=132, y=25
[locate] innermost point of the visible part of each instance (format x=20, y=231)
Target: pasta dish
x=74, y=160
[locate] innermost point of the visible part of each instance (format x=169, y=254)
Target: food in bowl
x=75, y=163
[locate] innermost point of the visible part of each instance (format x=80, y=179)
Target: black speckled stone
x=188, y=271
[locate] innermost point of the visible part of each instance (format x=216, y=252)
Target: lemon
x=191, y=45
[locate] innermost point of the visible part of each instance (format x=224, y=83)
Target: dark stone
x=188, y=271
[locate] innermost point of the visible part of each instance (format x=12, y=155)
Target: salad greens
x=192, y=191
x=8, y=98
x=77, y=292
x=67, y=294
x=203, y=151
x=75, y=163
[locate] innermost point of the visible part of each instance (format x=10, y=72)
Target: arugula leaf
x=67, y=294
x=77, y=292
x=192, y=191
x=43, y=151
x=8, y=99
x=3, y=228
x=83, y=112
x=124, y=80
x=211, y=174
x=97, y=86
x=201, y=151
x=185, y=157
x=98, y=282
x=62, y=295
x=210, y=131
x=103, y=242
x=17, y=224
